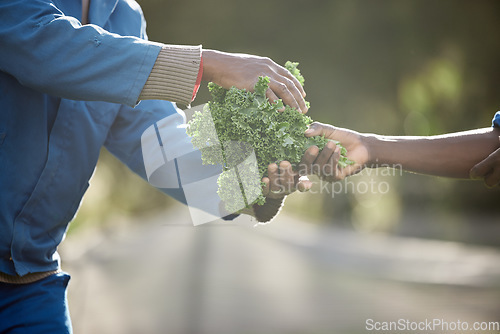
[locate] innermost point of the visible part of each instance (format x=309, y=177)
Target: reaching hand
x=242, y=71
x=488, y=169
x=283, y=180
x=325, y=164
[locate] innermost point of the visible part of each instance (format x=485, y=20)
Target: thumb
x=485, y=166
x=319, y=129
x=474, y=173
x=481, y=169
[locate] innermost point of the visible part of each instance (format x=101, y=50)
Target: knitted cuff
x=28, y=278
x=174, y=74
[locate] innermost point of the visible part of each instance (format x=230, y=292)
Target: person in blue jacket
x=69, y=87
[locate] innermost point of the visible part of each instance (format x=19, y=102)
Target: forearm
x=450, y=155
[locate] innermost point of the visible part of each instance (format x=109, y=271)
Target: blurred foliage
x=393, y=67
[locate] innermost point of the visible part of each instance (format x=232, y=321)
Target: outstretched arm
x=449, y=155
x=50, y=51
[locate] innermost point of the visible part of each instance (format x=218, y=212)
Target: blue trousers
x=38, y=307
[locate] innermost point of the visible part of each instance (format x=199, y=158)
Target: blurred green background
x=391, y=67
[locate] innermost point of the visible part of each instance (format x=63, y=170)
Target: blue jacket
x=51, y=69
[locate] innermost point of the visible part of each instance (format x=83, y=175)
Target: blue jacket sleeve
x=181, y=172
x=496, y=120
x=53, y=53
x=188, y=181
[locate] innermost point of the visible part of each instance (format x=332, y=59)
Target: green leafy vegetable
x=236, y=123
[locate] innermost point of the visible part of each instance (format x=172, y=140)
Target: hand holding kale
x=236, y=123
x=242, y=71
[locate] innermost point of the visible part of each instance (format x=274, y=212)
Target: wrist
x=209, y=60
x=386, y=151
x=373, y=144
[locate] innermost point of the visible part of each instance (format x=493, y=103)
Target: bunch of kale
x=236, y=123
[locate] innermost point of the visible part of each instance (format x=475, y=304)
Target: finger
x=272, y=97
x=305, y=165
x=324, y=156
x=304, y=184
x=331, y=170
x=265, y=187
x=319, y=129
x=287, y=177
x=295, y=92
x=274, y=179
x=484, y=167
x=283, y=71
x=283, y=92
x=493, y=178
